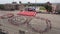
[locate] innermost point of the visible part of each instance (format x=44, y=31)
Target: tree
x=20, y=2
x=14, y=2
x=48, y=7
x=1, y=6
x=28, y=2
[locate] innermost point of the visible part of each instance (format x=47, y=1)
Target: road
x=55, y=21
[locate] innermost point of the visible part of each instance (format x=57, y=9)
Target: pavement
x=7, y=27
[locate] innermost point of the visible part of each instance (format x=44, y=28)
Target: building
x=11, y=6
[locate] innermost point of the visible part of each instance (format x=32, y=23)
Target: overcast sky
x=32, y=1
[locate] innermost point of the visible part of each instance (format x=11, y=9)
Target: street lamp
x=35, y=4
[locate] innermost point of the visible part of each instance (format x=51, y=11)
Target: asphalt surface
x=7, y=27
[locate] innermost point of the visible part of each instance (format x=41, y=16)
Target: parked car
x=57, y=12
x=30, y=9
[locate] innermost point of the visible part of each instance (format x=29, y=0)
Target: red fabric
x=26, y=13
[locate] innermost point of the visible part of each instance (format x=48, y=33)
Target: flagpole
x=35, y=5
